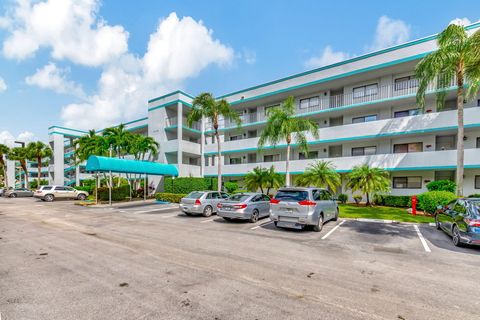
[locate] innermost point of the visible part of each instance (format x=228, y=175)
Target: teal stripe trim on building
x=184, y=127
x=171, y=103
x=130, y=122
x=67, y=129
x=373, y=136
x=64, y=134
x=170, y=94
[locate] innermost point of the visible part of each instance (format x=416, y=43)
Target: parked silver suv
x=50, y=193
x=202, y=202
x=294, y=207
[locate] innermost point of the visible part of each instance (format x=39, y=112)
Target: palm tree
x=273, y=179
x=118, y=138
x=321, y=174
x=141, y=145
x=37, y=151
x=90, y=144
x=20, y=154
x=457, y=58
x=282, y=125
x=4, y=150
x=205, y=106
x=368, y=180
x=260, y=178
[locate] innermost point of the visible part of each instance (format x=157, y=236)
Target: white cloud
x=249, y=56
x=54, y=78
x=9, y=139
x=70, y=28
x=460, y=21
x=390, y=32
x=177, y=50
x=327, y=57
x=3, y=85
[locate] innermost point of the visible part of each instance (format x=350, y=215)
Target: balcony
x=431, y=160
x=172, y=122
x=381, y=93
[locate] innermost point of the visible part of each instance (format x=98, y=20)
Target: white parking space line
x=169, y=216
x=209, y=220
x=152, y=210
x=422, y=239
x=331, y=231
x=263, y=224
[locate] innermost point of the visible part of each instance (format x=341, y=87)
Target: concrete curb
x=388, y=221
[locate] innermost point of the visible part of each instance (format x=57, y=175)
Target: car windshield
x=239, y=197
x=194, y=195
x=475, y=207
x=291, y=195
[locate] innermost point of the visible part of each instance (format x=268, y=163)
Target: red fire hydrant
x=414, y=205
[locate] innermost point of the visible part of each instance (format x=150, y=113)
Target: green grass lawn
x=379, y=212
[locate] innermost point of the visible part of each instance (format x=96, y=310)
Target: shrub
x=357, y=199
x=33, y=184
x=393, y=201
x=342, y=197
x=118, y=193
x=89, y=189
x=475, y=195
x=169, y=197
x=442, y=185
x=186, y=185
x=429, y=201
x=231, y=187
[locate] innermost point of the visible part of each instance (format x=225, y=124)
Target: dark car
x=461, y=220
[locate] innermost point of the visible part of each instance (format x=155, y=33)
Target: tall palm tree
x=20, y=154
x=4, y=150
x=90, y=144
x=118, y=138
x=37, y=151
x=368, y=180
x=321, y=174
x=261, y=178
x=205, y=106
x=457, y=58
x=273, y=179
x=141, y=145
x=282, y=125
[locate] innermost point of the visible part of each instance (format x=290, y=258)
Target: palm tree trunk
x=4, y=169
x=219, y=164
x=460, y=133
x=287, y=167
x=39, y=172
x=368, y=200
x=24, y=167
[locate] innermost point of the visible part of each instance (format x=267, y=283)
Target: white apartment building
x=366, y=110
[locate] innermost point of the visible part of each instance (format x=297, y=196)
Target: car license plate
x=288, y=219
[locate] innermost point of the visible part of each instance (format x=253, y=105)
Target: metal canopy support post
x=96, y=188
x=110, y=189
x=145, y=187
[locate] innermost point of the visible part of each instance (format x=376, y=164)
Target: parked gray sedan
x=202, y=202
x=18, y=192
x=251, y=206
x=296, y=208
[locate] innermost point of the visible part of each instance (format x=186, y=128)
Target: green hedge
x=188, y=184
x=442, y=185
x=169, y=197
x=393, y=201
x=89, y=189
x=118, y=193
x=342, y=197
x=429, y=201
x=231, y=187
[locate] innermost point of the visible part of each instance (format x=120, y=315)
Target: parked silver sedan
x=246, y=206
x=202, y=202
x=18, y=192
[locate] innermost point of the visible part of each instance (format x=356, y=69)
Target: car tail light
x=219, y=206
x=473, y=222
x=240, y=206
x=197, y=202
x=274, y=201
x=307, y=203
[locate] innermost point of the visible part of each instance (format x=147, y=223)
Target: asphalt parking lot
x=60, y=261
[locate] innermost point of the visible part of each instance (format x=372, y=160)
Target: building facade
x=366, y=110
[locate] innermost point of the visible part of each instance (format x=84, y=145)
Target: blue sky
x=89, y=63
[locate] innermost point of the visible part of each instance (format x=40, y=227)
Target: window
x=445, y=175
x=252, y=133
x=406, y=113
x=291, y=195
x=237, y=137
x=237, y=160
x=445, y=142
x=364, y=151
x=309, y=102
x=408, y=147
x=478, y=142
x=477, y=182
x=407, y=182
x=270, y=107
x=59, y=188
x=265, y=197
x=335, y=151
x=365, y=91
x=325, y=195
x=405, y=83
x=271, y=158
x=372, y=117
x=252, y=157
x=310, y=155
x=257, y=198
x=336, y=121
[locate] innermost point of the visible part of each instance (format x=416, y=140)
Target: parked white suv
x=50, y=193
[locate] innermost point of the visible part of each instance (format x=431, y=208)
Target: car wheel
x=319, y=226
x=254, y=217
x=336, y=215
x=456, y=237
x=13, y=195
x=49, y=197
x=437, y=223
x=207, y=212
x=275, y=223
x=81, y=197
